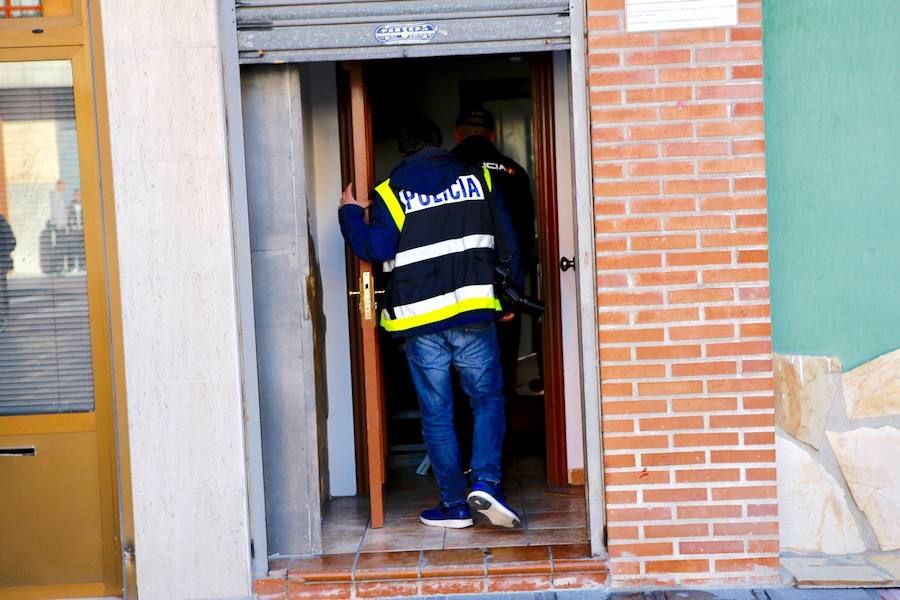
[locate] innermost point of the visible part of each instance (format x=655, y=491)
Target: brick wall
x=685, y=335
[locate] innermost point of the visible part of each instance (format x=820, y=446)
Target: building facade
x=189, y=314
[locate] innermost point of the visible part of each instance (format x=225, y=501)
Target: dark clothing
x=512, y=183
x=423, y=221
x=7, y=245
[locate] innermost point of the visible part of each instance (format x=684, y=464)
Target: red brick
x=623, y=151
x=658, y=57
x=605, y=97
x=676, y=531
x=730, y=91
x=729, y=53
x=618, y=426
x=748, y=109
x=670, y=494
x=730, y=128
x=733, y=202
x=701, y=332
x=689, y=440
x=692, y=74
x=677, y=566
x=693, y=111
x=761, y=475
x=704, y=475
x=738, y=348
x=695, y=186
x=608, y=354
x=703, y=404
x=636, y=442
x=610, y=390
x=635, y=371
x=710, y=511
x=759, y=438
x=745, y=493
x=619, y=336
x=626, y=188
x=629, y=261
x=607, y=134
x=629, y=298
x=610, y=78
x=633, y=407
x=661, y=168
x=741, y=421
x=745, y=384
x=749, y=146
x=622, y=40
x=762, y=510
x=606, y=317
x=619, y=515
x=701, y=295
x=689, y=37
x=622, y=532
x=759, y=365
x=660, y=459
x=607, y=280
x=740, y=456
x=743, y=184
x=695, y=149
x=649, y=549
x=517, y=583
x=748, y=221
x=736, y=275
x=607, y=22
x=670, y=423
x=644, y=477
x=749, y=15
x=715, y=313
x=666, y=278
x=615, y=461
x=609, y=171
x=704, y=368
x=442, y=586
x=611, y=245
x=733, y=165
x=747, y=564
x=711, y=547
x=605, y=207
x=606, y=4
x=658, y=205
x=763, y=546
x=621, y=115
x=669, y=387
x=747, y=72
x=745, y=34
x=668, y=351
x=668, y=315
x=659, y=132
x=658, y=94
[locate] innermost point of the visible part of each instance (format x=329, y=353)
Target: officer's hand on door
x=348, y=198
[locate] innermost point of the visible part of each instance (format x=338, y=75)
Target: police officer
x=432, y=224
x=475, y=137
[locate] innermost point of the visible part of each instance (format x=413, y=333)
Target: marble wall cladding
x=173, y=218
x=873, y=388
x=813, y=511
x=805, y=387
x=838, y=492
x=869, y=461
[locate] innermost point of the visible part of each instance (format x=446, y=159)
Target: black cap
x=475, y=116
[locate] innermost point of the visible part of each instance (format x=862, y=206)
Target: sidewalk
x=785, y=593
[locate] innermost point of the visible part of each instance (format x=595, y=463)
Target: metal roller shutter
x=271, y=31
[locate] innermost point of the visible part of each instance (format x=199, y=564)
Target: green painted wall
x=832, y=92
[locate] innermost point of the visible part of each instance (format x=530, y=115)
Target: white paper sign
x=658, y=15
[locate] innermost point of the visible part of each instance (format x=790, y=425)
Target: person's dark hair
x=418, y=132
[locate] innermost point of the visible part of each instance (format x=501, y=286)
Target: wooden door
x=368, y=390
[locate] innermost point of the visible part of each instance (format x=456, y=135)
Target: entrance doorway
x=390, y=454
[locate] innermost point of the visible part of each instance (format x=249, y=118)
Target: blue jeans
x=474, y=352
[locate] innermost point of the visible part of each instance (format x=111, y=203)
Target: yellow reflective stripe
x=438, y=315
x=392, y=202
x=487, y=178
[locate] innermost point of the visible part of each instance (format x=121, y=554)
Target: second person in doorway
x=432, y=225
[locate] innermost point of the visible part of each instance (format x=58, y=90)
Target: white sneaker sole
x=448, y=523
x=495, y=512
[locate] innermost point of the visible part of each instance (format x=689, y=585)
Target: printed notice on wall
x=660, y=15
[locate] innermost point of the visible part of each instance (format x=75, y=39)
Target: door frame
x=589, y=357
x=78, y=38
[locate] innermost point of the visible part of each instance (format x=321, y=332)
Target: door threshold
x=435, y=572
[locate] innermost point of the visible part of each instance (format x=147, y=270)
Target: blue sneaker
x=453, y=517
x=486, y=498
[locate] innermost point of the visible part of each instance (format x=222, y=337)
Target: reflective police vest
x=444, y=266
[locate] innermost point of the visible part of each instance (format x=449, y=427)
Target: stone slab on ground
x=889, y=561
x=835, y=572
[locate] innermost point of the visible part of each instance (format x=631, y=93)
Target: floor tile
x=455, y=562
x=329, y=567
x=387, y=565
x=567, y=535
x=389, y=542
x=556, y=520
x=518, y=559
x=485, y=539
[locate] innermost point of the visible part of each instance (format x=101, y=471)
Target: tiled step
x=433, y=572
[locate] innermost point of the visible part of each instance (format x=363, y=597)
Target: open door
x=357, y=164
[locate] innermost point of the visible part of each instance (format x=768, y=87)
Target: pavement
x=785, y=593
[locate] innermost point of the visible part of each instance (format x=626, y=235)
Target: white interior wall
x=567, y=281
x=172, y=208
x=323, y=146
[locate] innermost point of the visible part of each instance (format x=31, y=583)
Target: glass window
x=45, y=344
x=12, y=9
